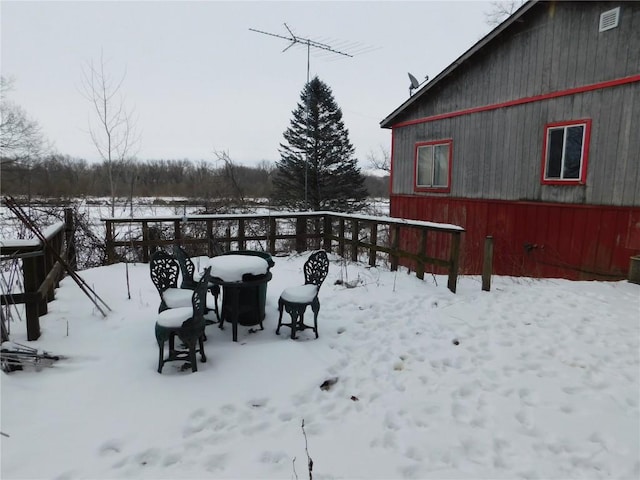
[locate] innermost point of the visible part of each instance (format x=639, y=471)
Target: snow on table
x=231, y=268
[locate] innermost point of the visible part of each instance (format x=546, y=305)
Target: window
x=433, y=166
x=565, y=152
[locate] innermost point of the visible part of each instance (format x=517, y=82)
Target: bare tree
x=501, y=10
x=231, y=176
x=380, y=160
x=20, y=137
x=112, y=127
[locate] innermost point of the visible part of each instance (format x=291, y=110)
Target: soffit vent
x=609, y=19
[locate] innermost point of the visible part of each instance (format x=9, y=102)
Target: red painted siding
x=532, y=239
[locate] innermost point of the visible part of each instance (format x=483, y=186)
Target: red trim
x=391, y=161
x=585, y=153
x=409, y=196
x=439, y=189
x=521, y=101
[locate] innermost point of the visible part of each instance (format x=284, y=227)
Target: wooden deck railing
x=40, y=269
x=360, y=237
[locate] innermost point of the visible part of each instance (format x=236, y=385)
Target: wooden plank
x=273, y=234
x=326, y=245
x=422, y=247
x=355, y=233
x=455, y=262
x=31, y=285
x=487, y=264
x=374, y=241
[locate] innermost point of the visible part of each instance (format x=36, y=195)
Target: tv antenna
x=303, y=41
x=294, y=39
x=414, y=83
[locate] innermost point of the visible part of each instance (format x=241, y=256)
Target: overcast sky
x=200, y=81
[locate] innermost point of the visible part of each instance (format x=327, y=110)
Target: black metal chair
x=190, y=277
x=296, y=299
x=164, y=271
x=188, y=324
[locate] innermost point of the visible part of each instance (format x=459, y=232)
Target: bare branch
x=380, y=160
x=501, y=10
x=113, y=130
x=21, y=137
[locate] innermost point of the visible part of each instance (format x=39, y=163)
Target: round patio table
x=243, y=278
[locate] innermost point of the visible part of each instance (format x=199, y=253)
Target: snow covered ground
x=535, y=379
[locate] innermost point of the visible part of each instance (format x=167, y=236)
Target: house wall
x=532, y=239
x=551, y=65
x=497, y=153
x=554, y=46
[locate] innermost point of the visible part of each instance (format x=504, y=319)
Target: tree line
x=317, y=169
x=62, y=176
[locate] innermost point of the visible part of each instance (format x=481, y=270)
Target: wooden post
x=111, y=250
x=210, y=252
x=155, y=235
x=272, y=235
x=355, y=231
x=373, y=240
x=422, y=247
x=31, y=300
x=69, y=229
x=634, y=269
x=47, y=265
x=326, y=245
x=341, y=237
x=454, y=262
x=227, y=240
x=145, y=242
x=177, y=232
x=395, y=244
x=301, y=234
x=487, y=264
x=241, y=241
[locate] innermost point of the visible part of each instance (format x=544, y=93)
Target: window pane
x=425, y=162
x=573, y=152
x=554, y=153
x=441, y=166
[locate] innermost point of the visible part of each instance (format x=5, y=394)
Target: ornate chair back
x=199, y=299
x=164, y=271
x=316, y=268
x=194, y=327
x=186, y=267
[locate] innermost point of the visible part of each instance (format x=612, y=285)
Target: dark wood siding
x=497, y=154
x=554, y=46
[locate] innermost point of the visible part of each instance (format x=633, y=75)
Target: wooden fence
x=40, y=269
x=358, y=237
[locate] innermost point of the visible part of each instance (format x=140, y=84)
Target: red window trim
x=416, y=188
x=585, y=152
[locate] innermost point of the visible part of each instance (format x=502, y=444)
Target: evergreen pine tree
x=318, y=149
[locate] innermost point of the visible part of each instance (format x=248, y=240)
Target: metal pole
x=306, y=160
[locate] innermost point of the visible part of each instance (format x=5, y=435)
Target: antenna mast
x=309, y=43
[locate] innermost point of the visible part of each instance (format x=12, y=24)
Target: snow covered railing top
x=399, y=240
x=14, y=245
x=281, y=214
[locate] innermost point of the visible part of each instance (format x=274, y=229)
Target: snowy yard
x=535, y=379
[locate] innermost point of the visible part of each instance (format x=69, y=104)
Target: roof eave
x=389, y=120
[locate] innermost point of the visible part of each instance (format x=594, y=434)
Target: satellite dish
x=414, y=81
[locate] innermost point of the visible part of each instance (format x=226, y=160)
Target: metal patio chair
x=296, y=299
x=186, y=323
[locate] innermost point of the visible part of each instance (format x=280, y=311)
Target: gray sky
x=200, y=81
